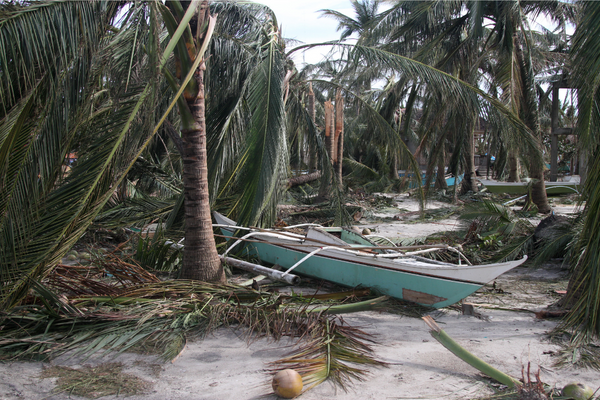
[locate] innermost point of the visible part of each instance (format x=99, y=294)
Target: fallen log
x=302, y=179
x=259, y=269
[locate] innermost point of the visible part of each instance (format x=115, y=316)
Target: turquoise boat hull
x=353, y=260
x=425, y=290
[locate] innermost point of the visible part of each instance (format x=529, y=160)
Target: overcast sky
x=302, y=21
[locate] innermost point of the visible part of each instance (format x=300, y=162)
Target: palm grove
x=177, y=107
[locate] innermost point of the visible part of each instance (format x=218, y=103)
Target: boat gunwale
x=386, y=267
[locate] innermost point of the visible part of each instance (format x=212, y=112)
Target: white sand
x=226, y=366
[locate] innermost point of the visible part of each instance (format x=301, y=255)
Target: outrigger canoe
x=347, y=258
x=520, y=188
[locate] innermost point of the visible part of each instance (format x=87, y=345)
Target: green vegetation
x=118, y=115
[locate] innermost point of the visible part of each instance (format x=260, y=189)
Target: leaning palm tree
x=87, y=77
x=56, y=97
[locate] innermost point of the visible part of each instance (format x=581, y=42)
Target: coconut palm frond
x=584, y=317
x=157, y=254
x=583, y=286
x=499, y=234
x=38, y=231
x=579, y=355
x=263, y=164
x=134, y=308
x=489, y=210
x=360, y=170
x=30, y=46
x=333, y=351
x=559, y=242
x=516, y=247
x=135, y=212
x=60, y=216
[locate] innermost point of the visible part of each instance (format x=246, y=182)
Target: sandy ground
x=226, y=366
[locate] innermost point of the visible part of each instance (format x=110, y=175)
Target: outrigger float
x=350, y=259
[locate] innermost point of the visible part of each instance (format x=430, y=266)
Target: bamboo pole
x=259, y=269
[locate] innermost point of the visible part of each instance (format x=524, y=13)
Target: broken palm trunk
x=334, y=139
x=325, y=188
x=339, y=137
x=459, y=351
x=302, y=179
x=312, y=111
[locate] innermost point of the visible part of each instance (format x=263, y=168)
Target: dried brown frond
x=95, y=382
x=109, y=277
x=79, y=280
x=127, y=273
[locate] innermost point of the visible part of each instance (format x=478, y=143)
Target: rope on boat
x=363, y=254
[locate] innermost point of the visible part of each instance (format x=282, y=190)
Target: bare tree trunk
x=200, y=258
x=302, y=179
x=394, y=167
x=329, y=130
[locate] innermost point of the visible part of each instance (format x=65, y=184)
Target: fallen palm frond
x=157, y=254
x=332, y=351
x=580, y=354
x=494, y=232
x=98, y=313
x=442, y=337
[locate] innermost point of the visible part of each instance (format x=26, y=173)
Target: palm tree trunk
x=440, y=180
x=325, y=187
x=200, y=258
x=513, y=167
x=394, y=168
x=312, y=111
x=470, y=180
x=530, y=115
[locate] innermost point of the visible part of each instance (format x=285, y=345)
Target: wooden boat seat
x=321, y=236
